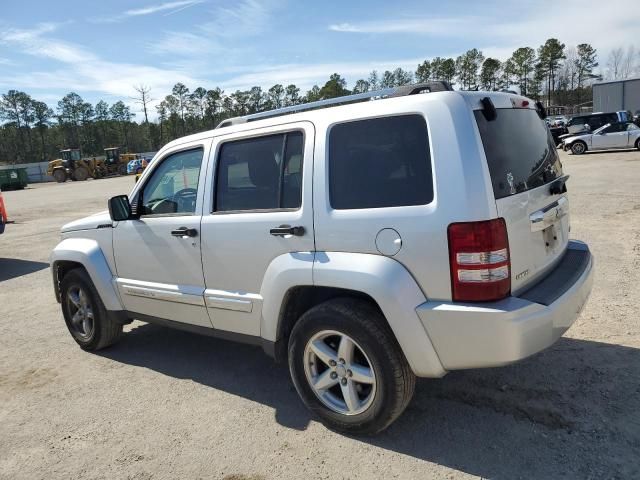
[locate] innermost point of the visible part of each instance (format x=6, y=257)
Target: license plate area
x=550, y=237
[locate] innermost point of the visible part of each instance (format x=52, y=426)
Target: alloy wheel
x=80, y=311
x=339, y=372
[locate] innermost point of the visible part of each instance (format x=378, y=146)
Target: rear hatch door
x=529, y=188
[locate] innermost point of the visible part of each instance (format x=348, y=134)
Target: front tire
x=348, y=368
x=638, y=144
x=85, y=314
x=578, y=148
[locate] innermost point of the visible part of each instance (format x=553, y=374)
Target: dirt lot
x=166, y=404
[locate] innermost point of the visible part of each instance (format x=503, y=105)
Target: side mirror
x=120, y=208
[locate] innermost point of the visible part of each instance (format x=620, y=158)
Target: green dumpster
x=13, y=178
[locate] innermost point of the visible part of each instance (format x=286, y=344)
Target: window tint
x=520, y=151
x=173, y=186
x=382, y=162
x=261, y=173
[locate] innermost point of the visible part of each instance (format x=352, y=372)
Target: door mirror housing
x=120, y=208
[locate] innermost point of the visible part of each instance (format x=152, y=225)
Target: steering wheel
x=185, y=199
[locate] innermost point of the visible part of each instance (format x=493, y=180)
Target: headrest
x=263, y=170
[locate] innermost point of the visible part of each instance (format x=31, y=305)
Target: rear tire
x=85, y=314
x=81, y=174
x=578, y=148
x=367, y=390
x=60, y=176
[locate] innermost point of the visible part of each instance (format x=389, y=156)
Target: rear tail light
x=479, y=260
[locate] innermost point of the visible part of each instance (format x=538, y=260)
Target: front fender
x=87, y=253
x=397, y=294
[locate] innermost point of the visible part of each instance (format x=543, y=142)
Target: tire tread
x=368, y=317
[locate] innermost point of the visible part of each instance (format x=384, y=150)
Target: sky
x=102, y=49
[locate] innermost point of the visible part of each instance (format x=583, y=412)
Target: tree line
x=32, y=131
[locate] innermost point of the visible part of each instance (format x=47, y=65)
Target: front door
x=259, y=216
x=613, y=136
x=157, y=257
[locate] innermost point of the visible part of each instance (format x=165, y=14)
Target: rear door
x=259, y=209
x=523, y=164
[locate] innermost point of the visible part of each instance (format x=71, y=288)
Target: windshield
x=520, y=151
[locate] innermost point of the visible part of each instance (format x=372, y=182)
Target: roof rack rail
x=435, y=86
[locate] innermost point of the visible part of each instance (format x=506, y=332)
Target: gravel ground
x=168, y=404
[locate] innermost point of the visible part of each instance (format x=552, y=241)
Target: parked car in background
x=607, y=137
x=557, y=131
x=137, y=166
x=560, y=120
x=595, y=120
x=269, y=233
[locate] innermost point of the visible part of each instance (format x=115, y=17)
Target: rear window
x=520, y=151
x=380, y=162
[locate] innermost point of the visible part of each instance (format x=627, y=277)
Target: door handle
x=184, y=232
x=284, y=230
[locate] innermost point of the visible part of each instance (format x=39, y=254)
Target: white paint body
x=234, y=276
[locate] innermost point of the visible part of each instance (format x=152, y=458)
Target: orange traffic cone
x=3, y=210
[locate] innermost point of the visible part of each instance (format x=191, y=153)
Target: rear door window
x=520, y=151
x=262, y=173
x=380, y=162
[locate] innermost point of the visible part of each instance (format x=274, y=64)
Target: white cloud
x=82, y=72
x=169, y=7
x=422, y=26
x=183, y=44
x=603, y=24
x=244, y=18
x=161, y=7
x=220, y=34
x=307, y=75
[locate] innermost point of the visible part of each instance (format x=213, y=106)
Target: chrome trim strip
x=230, y=304
x=158, y=291
x=548, y=215
x=224, y=300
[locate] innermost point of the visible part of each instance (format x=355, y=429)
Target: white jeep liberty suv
x=366, y=240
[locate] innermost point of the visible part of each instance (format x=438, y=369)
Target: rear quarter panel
x=460, y=190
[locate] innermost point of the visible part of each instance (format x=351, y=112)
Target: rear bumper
x=476, y=335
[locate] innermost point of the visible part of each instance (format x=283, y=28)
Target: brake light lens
x=479, y=260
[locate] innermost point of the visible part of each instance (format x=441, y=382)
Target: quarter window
x=262, y=173
x=381, y=162
x=173, y=186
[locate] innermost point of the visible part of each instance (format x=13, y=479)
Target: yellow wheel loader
x=72, y=166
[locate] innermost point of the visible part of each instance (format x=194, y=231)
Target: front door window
x=173, y=187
